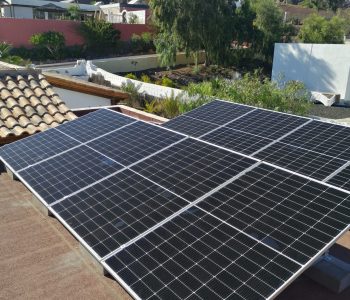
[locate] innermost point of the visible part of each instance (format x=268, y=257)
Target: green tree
x=99, y=35
x=53, y=41
x=318, y=30
x=193, y=25
x=73, y=11
x=270, y=26
x=324, y=4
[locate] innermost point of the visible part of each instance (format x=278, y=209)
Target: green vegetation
x=291, y=97
x=73, y=12
x=142, y=43
x=5, y=55
x=145, y=78
x=131, y=76
x=52, y=41
x=165, y=81
x=99, y=35
x=317, y=29
x=324, y=4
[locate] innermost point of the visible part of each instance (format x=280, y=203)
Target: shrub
x=100, y=36
x=16, y=60
x=151, y=106
x=133, y=19
x=52, y=41
x=136, y=99
x=5, y=49
x=291, y=97
x=142, y=43
x=131, y=76
x=169, y=106
x=145, y=78
x=165, y=81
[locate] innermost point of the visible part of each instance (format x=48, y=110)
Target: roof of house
x=28, y=104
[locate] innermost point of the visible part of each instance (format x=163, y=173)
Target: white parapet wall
x=141, y=62
x=323, y=68
x=117, y=81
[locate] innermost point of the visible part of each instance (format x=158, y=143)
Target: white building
x=323, y=68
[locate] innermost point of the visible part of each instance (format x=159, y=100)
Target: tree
x=100, y=36
x=271, y=27
x=324, y=4
x=193, y=25
x=73, y=12
x=53, y=41
x=318, y=30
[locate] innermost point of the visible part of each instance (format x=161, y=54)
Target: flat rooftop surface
x=40, y=259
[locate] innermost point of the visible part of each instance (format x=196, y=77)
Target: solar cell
x=268, y=124
x=66, y=173
x=196, y=256
x=192, y=168
x=134, y=142
x=323, y=138
x=219, y=112
x=33, y=149
x=309, y=163
x=190, y=126
x=94, y=124
x=115, y=210
x=289, y=213
x=236, y=140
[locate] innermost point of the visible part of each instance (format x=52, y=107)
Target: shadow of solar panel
x=196, y=256
x=134, y=142
x=296, y=216
x=190, y=126
x=235, y=140
x=309, y=163
x=116, y=210
x=66, y=173
x=192, y=168
x=219, y=112
x=267, y=124
x=33, y=149
x=94, y=124
x=324, y=138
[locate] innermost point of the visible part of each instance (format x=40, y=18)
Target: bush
x=52, y=41
x=100, y=36
x=317, y=29
x=142, y=43
x=5, y=49
x=131, y=76
x=291, y=97
x=165, y=81
x=145, y=78
x=16, y=60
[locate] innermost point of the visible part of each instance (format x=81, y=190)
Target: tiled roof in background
x=28, y=104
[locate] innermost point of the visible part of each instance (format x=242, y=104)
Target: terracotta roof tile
x=28, y=104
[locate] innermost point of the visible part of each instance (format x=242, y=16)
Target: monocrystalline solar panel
x=94, y=124
x=134, y=142
x=33, y=149
x=289, y=213
x=219, y=112
x=324, y=138
x=64, y=174
x=192, y=168
x=113, y=211
x=267, y=124
x=309, y=163
x=341, y=179
x=190, y=126
x=196, y=256
x=236, y=140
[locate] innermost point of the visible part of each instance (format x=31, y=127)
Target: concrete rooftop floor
x=40, y=259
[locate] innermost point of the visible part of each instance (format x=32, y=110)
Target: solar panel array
x=182, y=212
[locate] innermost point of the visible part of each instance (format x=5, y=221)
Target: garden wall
x=18, y=31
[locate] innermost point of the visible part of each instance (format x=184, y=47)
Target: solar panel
x=300, y=160
x=196, y=256
x=94, y=124
x=33, y=149
x=62, y=175
x=113, y=211
x=342, y=179
x=289, y=213
x=134, y=142
x=192, y=168
x=267, y=124
x=219, y=112
x=190, y=126
x=236, y=140
x=323, y=138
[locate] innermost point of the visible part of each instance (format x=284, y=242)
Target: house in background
x=38, y=9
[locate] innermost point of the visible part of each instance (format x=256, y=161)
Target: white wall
x=80, y=100
x=322, y=67
x=23, y=12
